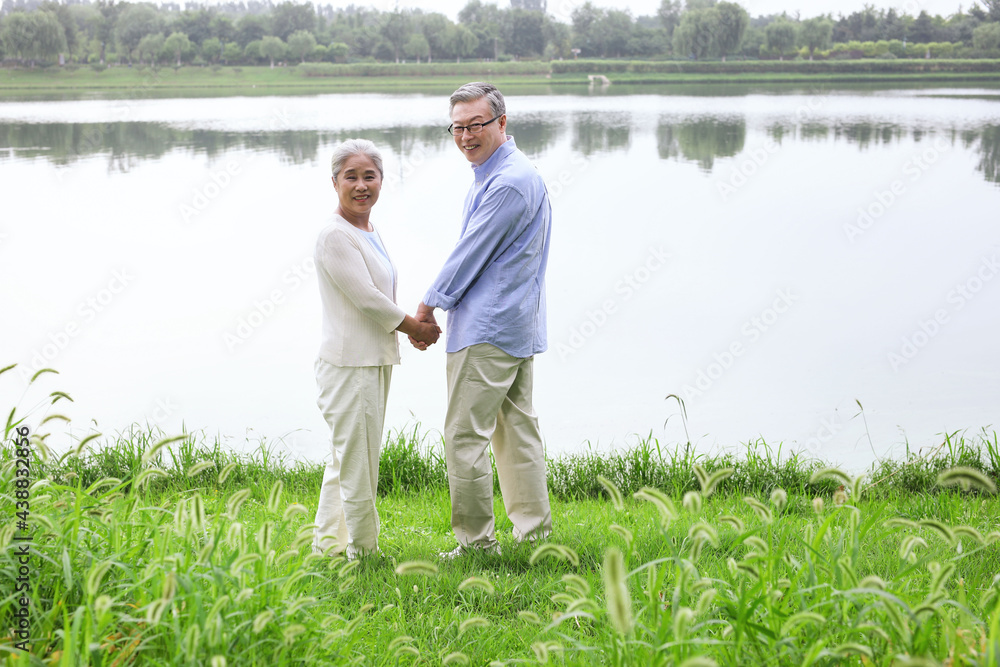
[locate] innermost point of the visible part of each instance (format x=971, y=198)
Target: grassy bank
x=435, y=78
x=147, y=551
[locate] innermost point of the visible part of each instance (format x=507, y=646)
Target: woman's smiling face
x=358, y=185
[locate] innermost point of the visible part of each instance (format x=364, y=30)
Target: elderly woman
x=357, y=284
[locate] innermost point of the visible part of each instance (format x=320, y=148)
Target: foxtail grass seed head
x=200, y=467
x=294, y=510
x=470, y=623
x=664, y=505
x=839, y=496
x=529, y=617
x=624, y=533
x=169, y=589
x=873, y=582
x=683, y=618
x=264, y=535
x=477, y=583
x=146, y=475
x=419, y=567
x=218, y=661
x=967, y=478
x=456, y=658
x=577, y=585
x=969, y=532
x=940, y=529
x=779, y=499
x=705, y=601
x=94, y=577
x=818, y=505
x=709, y=482
x=261, y=620
x=155, y=609
x=700, y=661
x=235, y=502
x=835, y=474
x=226, y=471
x=274, y=497
x=557, y=551
x=191, y=639
x=541, y=652
x=857, y=488
x=908, y=545
x=760, y=509
x=102, y=605
x=155, y=449
x=291, y=632
x=756, y=545
x=733, y=521
x=614, y=493
x=406, y=651
x=616, y=590
x=692, y=502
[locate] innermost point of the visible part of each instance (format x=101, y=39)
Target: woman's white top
x=357, y=290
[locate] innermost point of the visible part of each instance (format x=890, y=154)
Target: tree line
x=260, y=32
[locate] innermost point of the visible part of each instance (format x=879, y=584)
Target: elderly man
x=493, y=286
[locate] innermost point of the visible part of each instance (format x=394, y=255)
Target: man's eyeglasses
x=475, y=128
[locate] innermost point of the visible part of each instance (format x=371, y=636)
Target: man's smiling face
x=477, y=148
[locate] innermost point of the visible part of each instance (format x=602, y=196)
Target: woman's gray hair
x=355, y=147
x=475, y=90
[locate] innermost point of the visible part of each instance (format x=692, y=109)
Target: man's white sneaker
x=460, y=551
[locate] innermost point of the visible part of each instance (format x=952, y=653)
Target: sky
x=562, y=9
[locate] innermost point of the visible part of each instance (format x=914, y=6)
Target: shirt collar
x=502, y=151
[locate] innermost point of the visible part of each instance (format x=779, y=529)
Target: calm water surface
x=775, y=258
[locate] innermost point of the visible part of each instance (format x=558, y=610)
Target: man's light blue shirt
x=493, y=283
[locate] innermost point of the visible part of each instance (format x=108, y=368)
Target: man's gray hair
x=355, y=147
x=476, y=90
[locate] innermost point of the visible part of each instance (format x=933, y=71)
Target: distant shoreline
x=139, y=81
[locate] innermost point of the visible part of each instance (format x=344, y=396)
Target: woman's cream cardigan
x=360, y=314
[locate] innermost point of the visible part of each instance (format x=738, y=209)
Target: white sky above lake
x=562, y=9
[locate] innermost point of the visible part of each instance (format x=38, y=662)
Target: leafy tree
x=150, y=46
x=178, y=45
x=817, y=33
x=993, y=7
x=616, y=26
x=231, y=53
x=33, y=36
x=417, y=46
x=461, y=41
x=780, y=36
x=211, y=49
x=434, y=27
x=522, y=32
x=669, y=14
x=987, y=37
x=396, y=30
x=250, y=28
x=221, y=26
x=272, y=47
x=697, y=34
x=197, y=25
x=66, y=20
x=134, y=23
x=338, y=51
x=733, y=22
x=301, y=43
x=252, y=51
x=288, y=17
x=922, y=29
x=558, y=39
x=587, y=37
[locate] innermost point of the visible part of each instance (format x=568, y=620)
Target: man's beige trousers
x=489, y=396
x=352, y=399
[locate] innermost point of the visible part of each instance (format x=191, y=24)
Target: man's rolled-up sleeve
x=490, y=231
x=343, y=262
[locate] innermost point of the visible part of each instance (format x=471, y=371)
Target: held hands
x=427, y=329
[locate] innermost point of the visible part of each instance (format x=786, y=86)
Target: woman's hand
x=421, y=333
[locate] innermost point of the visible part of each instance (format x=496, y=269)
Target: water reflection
x=601, y=132
x=705, y=139
x=700, y=140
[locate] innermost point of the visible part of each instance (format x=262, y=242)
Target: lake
x=776, y=257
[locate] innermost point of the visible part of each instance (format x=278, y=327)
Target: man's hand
x=425, y=315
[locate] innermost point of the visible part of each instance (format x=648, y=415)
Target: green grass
x=441, y=78
x=157, y=551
